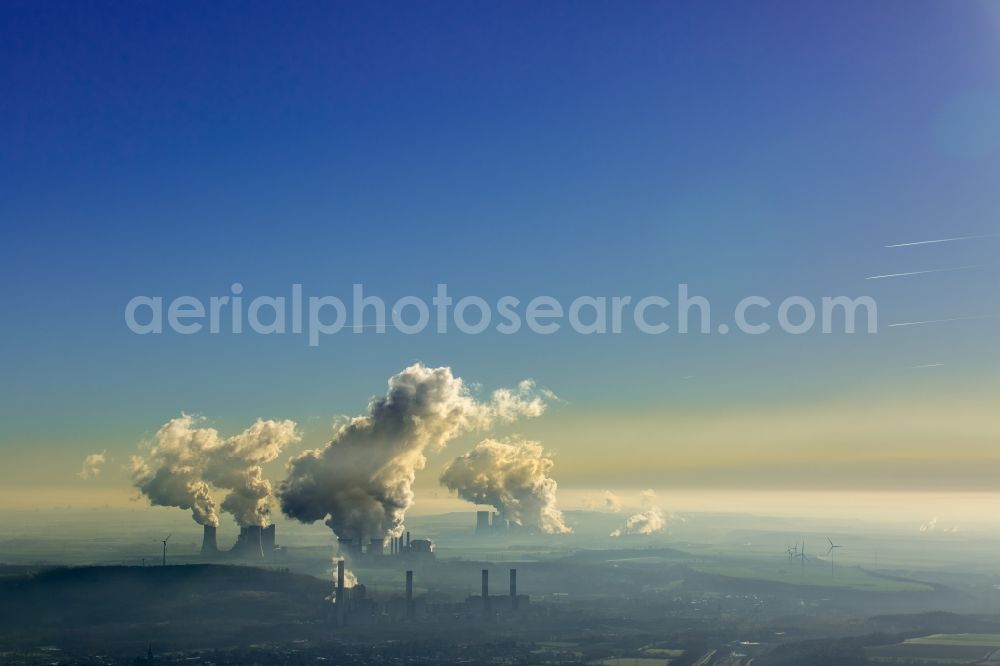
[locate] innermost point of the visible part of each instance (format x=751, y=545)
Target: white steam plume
x=361, y=482
x=185, y=463
x=607, y=502
x=513, y=477
x=350, y=580
x=648, y=522
x=91, y=468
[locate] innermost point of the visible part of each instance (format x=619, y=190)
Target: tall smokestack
x=341, y=597
x=513, y=589
x=407, y=541
x=209, y=546
x=486, y=593
x=409, y=595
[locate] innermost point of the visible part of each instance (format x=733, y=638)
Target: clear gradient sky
x=556, y=148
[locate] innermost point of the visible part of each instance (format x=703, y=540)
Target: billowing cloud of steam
x=184, y=463
x=932, y=525
x=648, y=522
x=513, y=477
x=607, y=502
x=361, y=481
x=92, y=464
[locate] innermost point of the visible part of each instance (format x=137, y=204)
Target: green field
x=849, y=577
x=978, y=640
x=939, y=649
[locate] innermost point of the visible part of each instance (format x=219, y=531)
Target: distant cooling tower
x=209, y=546
x=349, y=548
x=482, y=522
x=248, y=544
x=267, y=543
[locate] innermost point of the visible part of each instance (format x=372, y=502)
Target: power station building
x=385, y=552
x=353, y=606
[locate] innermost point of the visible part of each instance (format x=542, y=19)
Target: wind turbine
x=165, y=548
x=829, y=551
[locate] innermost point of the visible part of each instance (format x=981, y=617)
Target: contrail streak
x=932, y=270
x=926, y=365
x=942, y=321
x=944, y=240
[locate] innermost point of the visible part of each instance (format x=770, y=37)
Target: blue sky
x=555, y=148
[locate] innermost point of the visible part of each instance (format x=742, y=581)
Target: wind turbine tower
x=829, y=552
x=165, y=548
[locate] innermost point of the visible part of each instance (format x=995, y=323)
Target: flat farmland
x=939, y=649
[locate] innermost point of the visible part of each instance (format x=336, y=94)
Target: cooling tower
x=249, y=542
x=209, y=546
x=349, y=548
x=267, y=543
x=482, y=522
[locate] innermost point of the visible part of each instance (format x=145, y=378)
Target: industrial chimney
x=409, y=595
x=513, y=589
x=341, y=596
x=486, y=593
x=209, y=546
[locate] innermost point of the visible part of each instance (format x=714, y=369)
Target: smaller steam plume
x=608, y=502
x=932, y=525
x=513, y=477
x=92, y=464
x=649, y=521
x=350, y=580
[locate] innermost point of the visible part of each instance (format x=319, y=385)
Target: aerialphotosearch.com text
x=317, y=317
